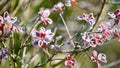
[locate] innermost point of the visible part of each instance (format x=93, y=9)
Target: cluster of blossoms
x=44, y=16
x=42, y=37
x=70, y=62
x=98, y=57
x=4, y=53
x=115, y=15
x=105, y=31
x=88, y=18
x=7, y=22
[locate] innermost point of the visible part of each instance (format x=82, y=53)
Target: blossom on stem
x=88, y=18
x=44, y=16
x=92, y=40
x=4, y=53
x=9, y=19
x=58, y=7
x=70, y=62
x=42, y=37
x=68, y=2
x=55, y=47
x=115, y=15
x=98, y=57
x=1, y=25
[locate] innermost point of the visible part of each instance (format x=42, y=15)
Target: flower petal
x=102, y=57
x=49, y=20
x=6, y=15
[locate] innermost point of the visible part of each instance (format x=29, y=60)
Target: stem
x=67, y=29
x=49, y=59
x=34, y=26
x=100, y=15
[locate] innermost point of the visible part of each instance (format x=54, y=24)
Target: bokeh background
x=27, y=12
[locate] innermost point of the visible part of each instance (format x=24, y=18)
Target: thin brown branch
x=99, y=16
x=49, y=59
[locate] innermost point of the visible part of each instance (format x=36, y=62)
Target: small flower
x=9, y=19
x=115, y=15
x=44, y=16
x=88, y=18
x=58, y=7
x=97, y=39
x=55, y=47
x=42, y=37
x=68, y=43
x=4, y=53
x=70, y=62
x=68, y=2
x=86, y=37
x=74, y=2
x=98, y=57
x=1, y=25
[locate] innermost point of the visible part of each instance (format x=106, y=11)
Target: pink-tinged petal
x=14, y=29
x=102, y=57
x=60, y=4
x=66, y=63
x=8, y=27
x=112, y=15
x=74, y=2
x=49, y=20
x=68, y=56
x=93, y=59
x=94, y=54
x=92, y=44
x=117, y=12
x=46, y=13
x=33, y=33
x=35, y=43
x=42, y=44
x=68, y=3
x=80, y=18
x=42, y=30
x=6, y=16
x=98, y=64
x=86, y=44
x=1, y=25
x=13, y=20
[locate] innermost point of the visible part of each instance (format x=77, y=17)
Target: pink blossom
x=68, y=2
x=115, y=15
x=88, y=18
x=98, y=57
x=70, y=62
x=44, y=16
x=58, y=7
x=1, y=25
x=9, y=19
x=42, y=37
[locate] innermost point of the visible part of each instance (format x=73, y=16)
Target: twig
x=72, y=51
x=99, y=16
x=111, y=64
x=113, y=3
x=67, y=29
x=34, y=26
x=49, y=59
x=32, y=58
